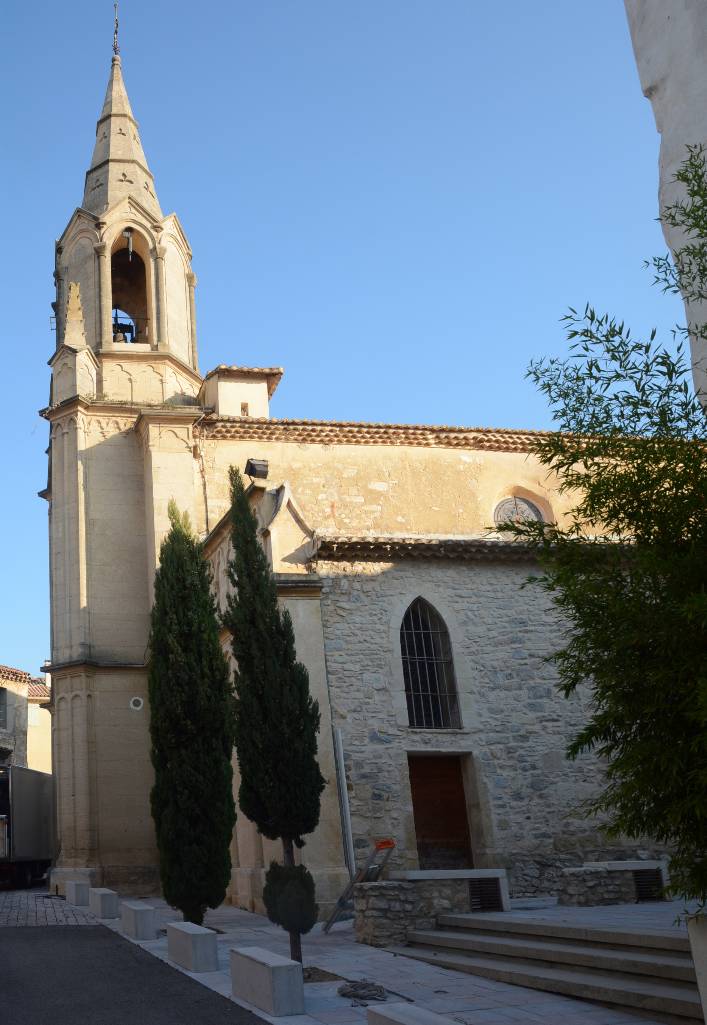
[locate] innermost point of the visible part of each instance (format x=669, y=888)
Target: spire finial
x=116, y=48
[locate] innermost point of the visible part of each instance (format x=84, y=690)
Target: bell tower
x=125, y=395
x=131, y=263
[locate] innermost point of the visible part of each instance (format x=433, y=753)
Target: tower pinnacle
x=116, y=48
x=118, y=166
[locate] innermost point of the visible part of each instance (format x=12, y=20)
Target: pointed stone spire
x=74, y=328
x=119, y=166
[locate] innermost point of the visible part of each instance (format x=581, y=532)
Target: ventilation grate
x=485, y=894
x=648, y=883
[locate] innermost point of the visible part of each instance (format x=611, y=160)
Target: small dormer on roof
x=240, y=391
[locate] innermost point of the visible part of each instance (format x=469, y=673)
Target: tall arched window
x=428, y=669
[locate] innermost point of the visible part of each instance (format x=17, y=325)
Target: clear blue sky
x=393, y=199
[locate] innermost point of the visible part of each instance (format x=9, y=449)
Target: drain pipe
x=344, y=808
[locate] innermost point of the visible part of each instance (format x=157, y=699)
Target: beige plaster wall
x=39, y=737
x=226, y=394
x=14, y=736
x=370, y=489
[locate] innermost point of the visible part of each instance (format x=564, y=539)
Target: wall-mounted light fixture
x=257, y=468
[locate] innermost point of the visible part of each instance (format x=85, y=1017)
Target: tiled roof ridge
x=499, y=438
x=420, y=546
x=11, y=673
x=38, y=688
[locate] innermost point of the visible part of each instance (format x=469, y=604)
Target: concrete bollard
x=271, y=983
x=192, y=947
x=137, y=920
x=103, y=903
x=77, y=893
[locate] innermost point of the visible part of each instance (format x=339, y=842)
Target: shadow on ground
x=66, y=975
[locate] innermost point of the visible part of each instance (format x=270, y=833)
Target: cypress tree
x=276, y=722
x=191, y=728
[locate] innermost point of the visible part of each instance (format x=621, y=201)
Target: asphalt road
x=88, y=975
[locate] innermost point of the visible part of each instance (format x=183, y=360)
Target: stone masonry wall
x=583, y=887
x=385, y=912
x=522, y=793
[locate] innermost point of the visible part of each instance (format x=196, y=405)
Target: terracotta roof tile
x=343, y=432
x=386, y=547
x=36, y=686
x=39, y=689
x=18, y=675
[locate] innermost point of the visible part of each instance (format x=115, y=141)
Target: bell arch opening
x=130, y=305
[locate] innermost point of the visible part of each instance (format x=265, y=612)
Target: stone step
x=629, y=960
x=532, y=903
x=510, y=924
x=679, y=999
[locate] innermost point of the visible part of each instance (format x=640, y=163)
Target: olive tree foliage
x=627, y=570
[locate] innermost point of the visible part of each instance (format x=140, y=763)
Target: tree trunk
x=288, y=857
x=194, y=913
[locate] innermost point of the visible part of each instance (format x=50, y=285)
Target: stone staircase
x=650, y=970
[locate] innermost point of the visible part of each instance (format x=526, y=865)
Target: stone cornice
x=148, y=415
x=298, y=585
x=270, y=374
x=151, y=356
x=387, y=547
x=328, y=432
x=79, y=403
x=55, y=668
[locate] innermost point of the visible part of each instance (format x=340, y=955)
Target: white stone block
x=271, y=983
x=77, y=893
x=192, y=947
x=137, y=920
x=103, y=903
x=403, y=1014
x=697, y=931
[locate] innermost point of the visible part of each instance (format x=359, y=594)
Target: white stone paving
x=465, y=999
x=36, y=907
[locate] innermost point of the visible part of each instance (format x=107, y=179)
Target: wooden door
x=439, y=807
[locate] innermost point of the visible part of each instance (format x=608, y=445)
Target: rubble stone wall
x=386, y=911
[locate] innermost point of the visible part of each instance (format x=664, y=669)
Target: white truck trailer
x=26, y=824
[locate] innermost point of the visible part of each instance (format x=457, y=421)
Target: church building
x=440, y=723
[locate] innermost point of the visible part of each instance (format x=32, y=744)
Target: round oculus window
x=136, y=704
x=516, y=510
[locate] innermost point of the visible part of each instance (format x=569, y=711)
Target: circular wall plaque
x=516, y=510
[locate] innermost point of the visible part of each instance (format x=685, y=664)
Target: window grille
x=428, y=669
x=485, y=895
x=3, y=708
x=649, y=884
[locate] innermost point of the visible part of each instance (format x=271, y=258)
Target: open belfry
x=441, y=726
